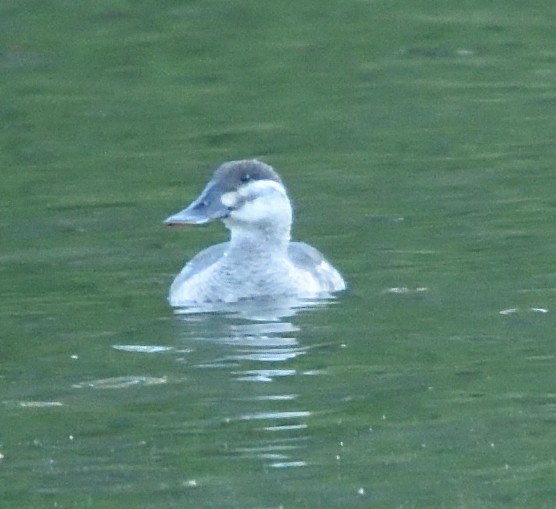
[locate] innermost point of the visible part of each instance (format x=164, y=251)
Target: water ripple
x=121, y=382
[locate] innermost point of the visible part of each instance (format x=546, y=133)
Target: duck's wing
x=306, y=257
x=200, y=262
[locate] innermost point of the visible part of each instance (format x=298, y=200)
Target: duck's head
x=244, y=194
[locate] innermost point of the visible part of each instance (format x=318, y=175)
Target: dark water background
x=418, y=143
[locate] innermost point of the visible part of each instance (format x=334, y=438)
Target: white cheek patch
x=252, y=211
x=230, y=199
x=262, y=201
x=259, y=188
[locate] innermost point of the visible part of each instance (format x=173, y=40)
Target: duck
x=259, y=260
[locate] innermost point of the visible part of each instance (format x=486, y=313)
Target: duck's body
x=259, y=260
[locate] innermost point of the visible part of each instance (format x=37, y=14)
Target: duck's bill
x=201, y=211
x=182, y=219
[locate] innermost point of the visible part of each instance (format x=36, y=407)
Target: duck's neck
x=254, y=242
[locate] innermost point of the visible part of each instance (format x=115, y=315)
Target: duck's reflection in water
x=253, y=353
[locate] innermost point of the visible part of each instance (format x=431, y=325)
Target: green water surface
x=417, y=140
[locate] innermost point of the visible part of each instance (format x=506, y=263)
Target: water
x=417, y=143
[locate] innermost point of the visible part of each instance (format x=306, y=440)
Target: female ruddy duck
x=259, y=260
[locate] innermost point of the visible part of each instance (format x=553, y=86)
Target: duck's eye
x=245, y=177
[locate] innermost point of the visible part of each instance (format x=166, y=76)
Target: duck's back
x=306, y=258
